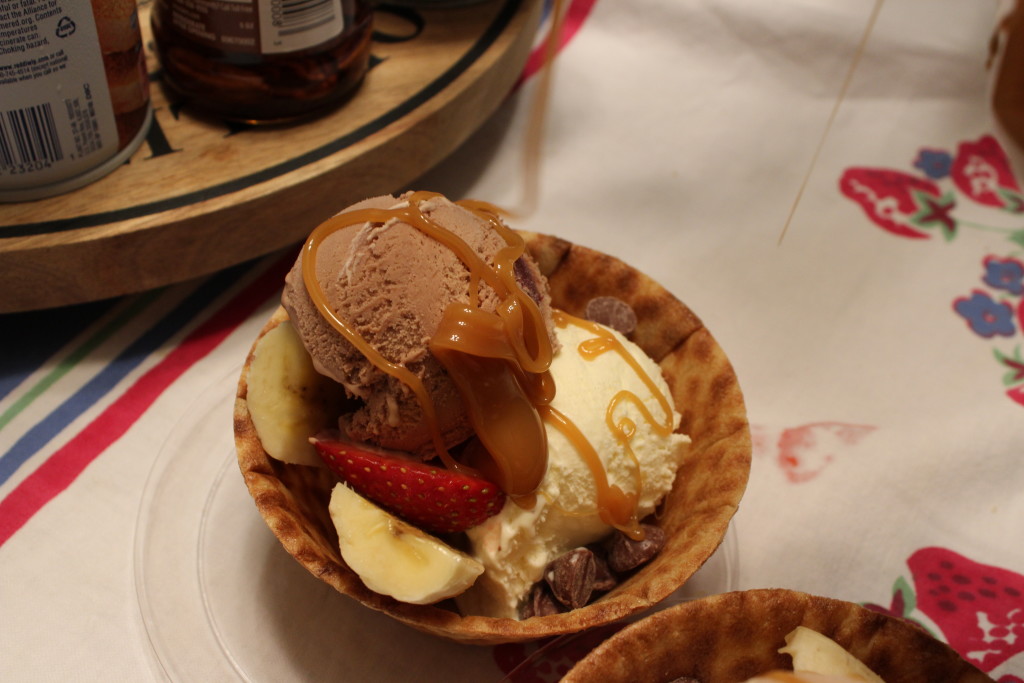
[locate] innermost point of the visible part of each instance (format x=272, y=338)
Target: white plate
x=220, y=599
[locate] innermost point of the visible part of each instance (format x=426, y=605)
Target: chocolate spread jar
x=262, y=61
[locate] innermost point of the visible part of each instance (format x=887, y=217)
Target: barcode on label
x=29, y=138
x=298, y=16
x=287, y=25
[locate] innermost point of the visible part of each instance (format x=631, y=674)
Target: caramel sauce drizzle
x=499, y=361
x=615, y=507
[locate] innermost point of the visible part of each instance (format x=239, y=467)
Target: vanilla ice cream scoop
x=517, y=544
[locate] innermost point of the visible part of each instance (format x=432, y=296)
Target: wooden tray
x=199, y=196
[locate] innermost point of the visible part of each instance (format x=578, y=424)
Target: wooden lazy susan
x=200, y=195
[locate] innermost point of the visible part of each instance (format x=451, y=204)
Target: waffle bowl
x=731, y=637
x=293, y=499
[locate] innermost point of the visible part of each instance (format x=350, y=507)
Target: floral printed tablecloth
x=823, y=182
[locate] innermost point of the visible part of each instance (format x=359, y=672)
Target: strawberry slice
x=430, y=497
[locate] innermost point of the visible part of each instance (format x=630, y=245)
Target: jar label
x=56, y=116
x=259, y=26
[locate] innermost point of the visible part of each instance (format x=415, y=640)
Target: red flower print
x=979, y=608
x=981, y=170
x=900, y=203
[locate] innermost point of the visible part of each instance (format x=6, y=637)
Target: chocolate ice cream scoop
x=391, y=283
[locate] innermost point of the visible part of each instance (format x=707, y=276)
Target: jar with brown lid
x=262, y=61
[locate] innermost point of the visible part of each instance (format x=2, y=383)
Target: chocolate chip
x=539, y=603
x=526, y=280
x=571, y=577
x=625, y=554
x=604, y=579
x=615, y=313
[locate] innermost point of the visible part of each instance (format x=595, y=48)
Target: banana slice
x=395, y=558
x=288, y=400
x=814, y=652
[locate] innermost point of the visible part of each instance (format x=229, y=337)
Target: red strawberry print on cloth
x=900, y=203
x=550, y=660
x=803, y=452
x=909, y=205
x=431, y=497
x=978, y=608
x=981, y=170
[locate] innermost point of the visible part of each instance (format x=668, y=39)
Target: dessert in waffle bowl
x=493, y=591
x=738, y=636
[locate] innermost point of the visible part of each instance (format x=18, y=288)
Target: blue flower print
x=934, y=163
x=1006, y=274
x=986, y=317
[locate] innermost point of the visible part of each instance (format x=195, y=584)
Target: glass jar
x=262, y=61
